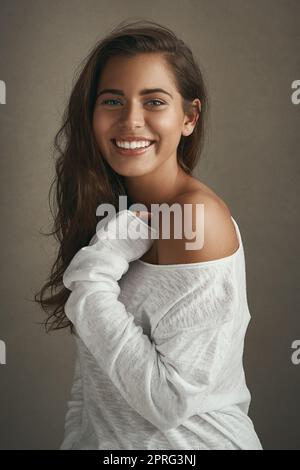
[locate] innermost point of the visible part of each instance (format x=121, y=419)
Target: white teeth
x=134, y=144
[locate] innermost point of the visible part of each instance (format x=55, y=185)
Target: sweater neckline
x=201, y=263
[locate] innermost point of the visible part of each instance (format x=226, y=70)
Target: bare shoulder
x=209, y=218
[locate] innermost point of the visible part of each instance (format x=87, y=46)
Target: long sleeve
x=73, y=415
x=168, y=376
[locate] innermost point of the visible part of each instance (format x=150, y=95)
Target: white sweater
x=159, y=348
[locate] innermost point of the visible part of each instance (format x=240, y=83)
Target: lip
x=132, y=152
x=131, y=138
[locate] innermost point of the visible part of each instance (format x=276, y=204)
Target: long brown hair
x=83, y=179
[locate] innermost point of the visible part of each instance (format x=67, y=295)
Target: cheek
x=99, y=127
x=168, y=123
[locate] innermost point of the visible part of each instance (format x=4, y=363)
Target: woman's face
x=127, y=112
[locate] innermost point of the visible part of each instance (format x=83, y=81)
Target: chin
x=130, y=169
x=127, y=172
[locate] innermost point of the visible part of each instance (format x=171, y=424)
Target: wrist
x=127, y=233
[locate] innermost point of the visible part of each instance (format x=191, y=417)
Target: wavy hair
x=83, y=179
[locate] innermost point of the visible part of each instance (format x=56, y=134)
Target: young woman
x=159, y=328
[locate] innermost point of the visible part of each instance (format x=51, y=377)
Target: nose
x=132, y=115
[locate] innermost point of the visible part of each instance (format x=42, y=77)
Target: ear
x=192, y=117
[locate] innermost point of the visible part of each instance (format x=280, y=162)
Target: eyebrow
x=145, y=91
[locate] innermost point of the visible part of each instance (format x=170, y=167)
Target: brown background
x=249, y=51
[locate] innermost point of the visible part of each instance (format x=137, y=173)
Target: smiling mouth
x=128, y=148
x=132, y=151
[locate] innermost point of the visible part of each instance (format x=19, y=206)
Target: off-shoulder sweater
x=159, y=348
